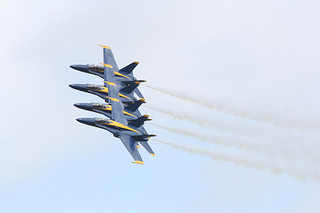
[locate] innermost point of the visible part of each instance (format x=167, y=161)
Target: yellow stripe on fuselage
x=97, y=70
x=121, y=95
x=110, y=108
x=116, y=73
x=110, y=83
x=116, y=124
x=105, y=89
x=106, y=65
x=119, y=74
x=114, y=99
x=127, y=113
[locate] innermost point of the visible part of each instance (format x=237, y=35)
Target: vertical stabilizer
x=129, y=68
x=135, y=105
x=129, y=89
x=139, y=121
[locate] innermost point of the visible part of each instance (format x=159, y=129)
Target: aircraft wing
x=117, y=107
x=131, y=146
x=113, y=95
x=108, y=57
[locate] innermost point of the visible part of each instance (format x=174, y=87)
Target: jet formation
x=121, y=107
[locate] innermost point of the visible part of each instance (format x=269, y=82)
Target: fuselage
x=99, y=71
x=105, y=109
x=101, y=91
x=114, y=127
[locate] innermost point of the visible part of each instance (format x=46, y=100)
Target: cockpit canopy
x=95, y=67
x=92, y=86
x=98, y=105
x=101, y=120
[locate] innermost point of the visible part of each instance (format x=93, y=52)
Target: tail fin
x=129, y=68
x=135, y=105
x=147, y=147
x=129, y=89
x=139, y=121
x=136, y=90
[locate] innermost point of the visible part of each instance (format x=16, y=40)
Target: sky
x=231, y=87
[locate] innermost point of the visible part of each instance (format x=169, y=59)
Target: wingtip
x=146, y=116
x=138, y=162
x=142, y=99
x=136, y=62
x=152, y=154
x=107, y=47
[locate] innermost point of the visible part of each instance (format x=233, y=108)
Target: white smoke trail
x=289, y=151
x=270, y=165
x=203, y=120
x=254, y=130
x=224, y=140
x=204, y=103
x=227, y=108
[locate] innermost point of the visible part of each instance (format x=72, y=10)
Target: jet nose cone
x=79, y=120
x=74, y=86
x=84, y=121
x=73, y=66
x=77, y=105
x=80, y=67
x=83, y=106
x=77, y=87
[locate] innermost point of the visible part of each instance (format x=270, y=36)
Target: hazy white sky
x=249, y=68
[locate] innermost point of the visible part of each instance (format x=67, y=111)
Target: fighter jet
x=126, y=94
x=130, y=111
x=123, y=75
x=130, y=133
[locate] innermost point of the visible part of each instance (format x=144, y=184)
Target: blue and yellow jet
x=130, y=133
x=123, y=75
x=126, y=94
x=130, y=111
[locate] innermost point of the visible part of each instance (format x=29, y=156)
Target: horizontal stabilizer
x=129, y=68
x=139, y=121
x=135, y=105
x=128, y=82
x=143, y=137
x=147, y=147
